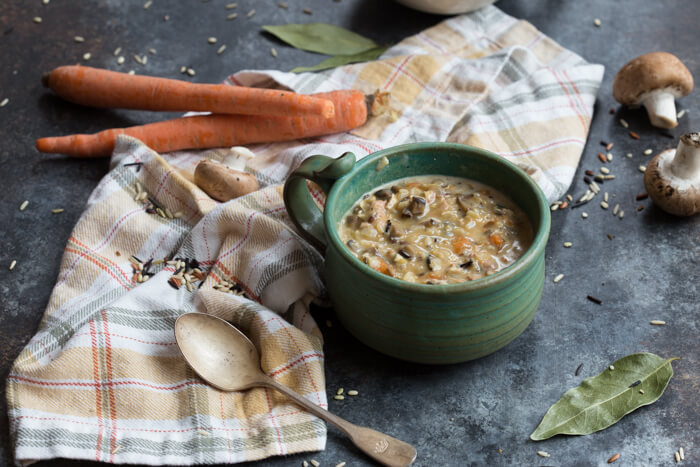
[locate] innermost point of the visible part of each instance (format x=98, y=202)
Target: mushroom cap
x=680, y=197
x=655, y=70
x=221, y=182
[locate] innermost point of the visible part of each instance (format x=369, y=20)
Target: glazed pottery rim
x=536, y=248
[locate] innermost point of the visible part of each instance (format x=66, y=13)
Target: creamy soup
x=435, y=229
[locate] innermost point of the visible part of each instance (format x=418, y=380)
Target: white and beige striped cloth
x=103, y=378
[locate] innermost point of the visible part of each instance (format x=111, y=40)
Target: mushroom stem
x=661, y=107
x=686, y=162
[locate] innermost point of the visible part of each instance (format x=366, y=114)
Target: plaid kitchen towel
x=103, y=378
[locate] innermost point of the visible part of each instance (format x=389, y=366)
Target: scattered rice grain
x=120, y=60
x=283, y=5
x=352, y=392
x=4, y=102
x=558, y=278
x=87, y=56
x=543, y=454
x=569, y=197
x=232, y=16
x=641, y=391
x=629, y=155
x=554, y=207
x=568, y=244
x=251, y=13
x=634, y=135
x=657, y=322
x=616, y=209
x=681, y=453
x=24, y=205
x=647, y=152
x=78, y=39
x=680, y=114
x=204, y=433
x=611, y=368
x=339, y=391
x=57, y=210
x=596, y=22
x=642, y=168
x=340, y=464
x=191, y=72
x=273, y=52
x=231, y=6
x=604, y=170
x=604, y=205
x=221, y=49
x=624, y=123
x=677, y=456
x=148, y=4
x=13, y=264
x=584, y=214
x=212, y=40
x=37, y=19
x=610, y=157
x=307, y=11
x=338, y=397
x=621, y=215
x=605, y=196
x=117, y=51
x=315, y=463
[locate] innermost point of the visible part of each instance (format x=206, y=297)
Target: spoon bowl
x=225, y=358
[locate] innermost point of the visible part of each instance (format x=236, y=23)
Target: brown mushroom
x=221, y=182
x=654, y=80
x=672, y=178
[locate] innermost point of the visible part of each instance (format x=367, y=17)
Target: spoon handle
x=380, y=447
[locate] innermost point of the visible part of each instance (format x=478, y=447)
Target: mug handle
x=305, y=215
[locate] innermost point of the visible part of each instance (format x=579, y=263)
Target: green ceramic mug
x=418, y=322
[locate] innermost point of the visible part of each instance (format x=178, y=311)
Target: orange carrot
x=382, y=266
x=459, y=244
x=218, y=130
x=103, y=88
x=496, y=239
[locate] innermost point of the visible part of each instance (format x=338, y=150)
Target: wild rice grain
x=283, y=5
x=641, y=196
x=595, y=300
x=602, y=157
x=613, y=458
x=543, y=454
x=578, y=369
x=558, y=278
x=13, y=264
x=307, y=11
x=609, y=146
x=634, y=135
x=24, y=205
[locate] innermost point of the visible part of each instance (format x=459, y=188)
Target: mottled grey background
x=456, y=415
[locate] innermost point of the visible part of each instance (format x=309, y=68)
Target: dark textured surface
x=455, y=415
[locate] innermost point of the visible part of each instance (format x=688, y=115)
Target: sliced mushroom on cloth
x=672, y=178
x=654, y=80
x=222, y=182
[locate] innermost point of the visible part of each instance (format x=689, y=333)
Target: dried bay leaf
x=321, y=38
x=602, y=400
x=340, y=60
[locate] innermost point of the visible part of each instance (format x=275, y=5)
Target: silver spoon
x=225, y=358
